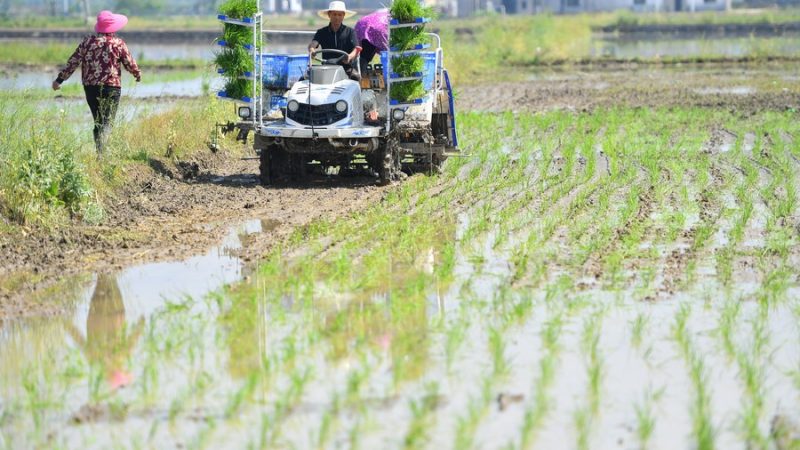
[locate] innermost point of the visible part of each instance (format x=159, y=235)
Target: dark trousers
x=103, y=101
x=368, y=52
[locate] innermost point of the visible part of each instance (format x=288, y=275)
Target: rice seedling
x=235, y=36
x=536, y=412
x=422, y=418
x=408, y=10
x=645, y=417
x=467, y=423
x=389, y=316
x=239, y=9
x=703, y=429
x=583, y=426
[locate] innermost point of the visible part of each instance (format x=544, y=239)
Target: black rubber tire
x=273, y=165
x=389, y=165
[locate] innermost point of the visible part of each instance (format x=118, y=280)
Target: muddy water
x=105, y=305
x=139, y=336
x=193, y=86
x=687, y=48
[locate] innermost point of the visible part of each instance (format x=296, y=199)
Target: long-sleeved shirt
x=100, y=57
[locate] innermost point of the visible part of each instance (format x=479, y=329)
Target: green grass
x=52, y=175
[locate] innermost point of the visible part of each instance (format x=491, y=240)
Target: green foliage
x=238, y=88
x=404, y=38
x=239, y=9
x=236, y=35
x=407, y=65
x=407, y=10
x=234, y=61
x=41, y=176
x=407, y=90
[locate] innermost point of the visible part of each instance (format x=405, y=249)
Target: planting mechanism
x=326, y=120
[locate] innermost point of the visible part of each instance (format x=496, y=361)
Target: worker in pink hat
x=100, y=56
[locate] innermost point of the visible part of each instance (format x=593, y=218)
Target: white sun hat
x=336, y=5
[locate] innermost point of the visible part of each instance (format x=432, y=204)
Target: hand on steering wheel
x=329, y=61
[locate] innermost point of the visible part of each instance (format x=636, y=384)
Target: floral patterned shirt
x=100, y=56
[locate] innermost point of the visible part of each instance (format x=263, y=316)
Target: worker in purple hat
x=100, y=56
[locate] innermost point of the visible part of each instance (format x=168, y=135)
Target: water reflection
x=729, y=47
x=109, y=341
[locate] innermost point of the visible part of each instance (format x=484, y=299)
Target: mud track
x=169, y=212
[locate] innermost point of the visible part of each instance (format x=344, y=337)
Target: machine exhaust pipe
x=353, y=142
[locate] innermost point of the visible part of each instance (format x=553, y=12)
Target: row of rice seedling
x=461, y=308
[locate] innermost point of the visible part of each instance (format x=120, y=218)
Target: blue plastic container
x=296, y=66
x=282, y=71
x=428, y=68
x=274, y=67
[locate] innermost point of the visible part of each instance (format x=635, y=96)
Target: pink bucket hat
x=108, y=22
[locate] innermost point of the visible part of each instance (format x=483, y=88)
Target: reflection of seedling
x=497, y=348
x=590, y=340
x=637, y=328
x=466, y=424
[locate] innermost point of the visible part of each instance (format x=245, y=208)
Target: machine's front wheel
x=389, y=164
x=272, y=165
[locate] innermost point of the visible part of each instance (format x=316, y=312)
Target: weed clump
x=41, y=176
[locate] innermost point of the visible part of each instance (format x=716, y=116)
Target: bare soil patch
x=745, y=89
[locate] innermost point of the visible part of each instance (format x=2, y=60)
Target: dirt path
x=168, y=214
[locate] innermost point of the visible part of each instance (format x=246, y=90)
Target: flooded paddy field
x=611, y=264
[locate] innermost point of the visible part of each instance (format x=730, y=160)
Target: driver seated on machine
x=339, y=36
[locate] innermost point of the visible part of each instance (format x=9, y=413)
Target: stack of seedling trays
x=405, y=62
x=239, y=43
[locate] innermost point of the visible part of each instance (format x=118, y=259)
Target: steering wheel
x=330, y=61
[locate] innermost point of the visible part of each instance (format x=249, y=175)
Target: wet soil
x=170, y=211
x=743, y=88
